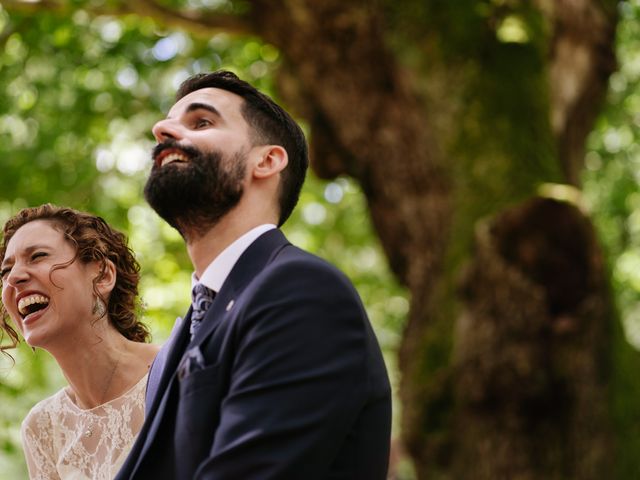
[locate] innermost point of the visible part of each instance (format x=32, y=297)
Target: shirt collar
x=218, y=270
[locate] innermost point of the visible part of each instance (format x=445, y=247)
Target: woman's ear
x=106, y=278
x=273, y=159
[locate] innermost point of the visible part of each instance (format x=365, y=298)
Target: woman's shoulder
x=41, y=413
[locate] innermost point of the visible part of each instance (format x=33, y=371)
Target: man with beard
x=275, y=372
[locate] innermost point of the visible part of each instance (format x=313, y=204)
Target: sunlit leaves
x=612, y=175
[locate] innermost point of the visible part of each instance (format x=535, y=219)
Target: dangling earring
x=99, y=308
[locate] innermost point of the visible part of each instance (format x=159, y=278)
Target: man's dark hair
x=271, y=125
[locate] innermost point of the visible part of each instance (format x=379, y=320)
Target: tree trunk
x=533, y=349
x=519, y=388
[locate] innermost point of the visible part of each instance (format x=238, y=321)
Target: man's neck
x=253, y=210
x=205, y=248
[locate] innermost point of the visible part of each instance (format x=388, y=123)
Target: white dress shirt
x=218, y=270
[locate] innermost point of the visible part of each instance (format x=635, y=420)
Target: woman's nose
x=166, y=129
x=18, y=274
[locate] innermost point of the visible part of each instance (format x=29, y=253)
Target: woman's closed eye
x=4, y=272
x=34, y=257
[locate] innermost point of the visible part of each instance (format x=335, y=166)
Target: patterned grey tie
x=202, y=299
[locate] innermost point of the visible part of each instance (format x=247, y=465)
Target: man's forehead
x=227, y=103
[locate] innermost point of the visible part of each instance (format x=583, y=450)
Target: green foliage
x=80, y=95
x=611, y=180
x=612, y=192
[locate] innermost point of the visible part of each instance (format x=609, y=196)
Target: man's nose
x=166, y=129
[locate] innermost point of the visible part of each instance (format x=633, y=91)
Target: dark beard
x=193, y=197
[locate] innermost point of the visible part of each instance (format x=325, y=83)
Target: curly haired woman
x=70, y=286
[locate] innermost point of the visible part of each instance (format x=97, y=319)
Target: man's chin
x=192, y=197
x=189, y=222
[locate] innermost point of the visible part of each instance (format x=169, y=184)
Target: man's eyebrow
x=202, y=106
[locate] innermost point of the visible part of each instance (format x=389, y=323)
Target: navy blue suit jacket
x=283, y=380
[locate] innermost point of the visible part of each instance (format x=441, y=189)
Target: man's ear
x=106, y=278
x=273, y=159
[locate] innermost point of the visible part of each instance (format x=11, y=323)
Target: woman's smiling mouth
x=30, y=304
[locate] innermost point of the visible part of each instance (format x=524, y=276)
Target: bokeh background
x=467, y=97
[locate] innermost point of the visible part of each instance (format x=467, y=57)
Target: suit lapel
x=158, y=367
x=156, y=412
x=174, y=355
x=250, y=263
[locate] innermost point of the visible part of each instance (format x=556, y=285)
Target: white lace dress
x=62, y=441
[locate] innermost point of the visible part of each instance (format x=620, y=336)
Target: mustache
x=171, y=143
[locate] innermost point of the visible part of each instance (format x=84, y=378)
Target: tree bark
x=366, y=122
x=519, y=391
x=533, y=349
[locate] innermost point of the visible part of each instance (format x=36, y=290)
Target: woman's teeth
x=25, y=304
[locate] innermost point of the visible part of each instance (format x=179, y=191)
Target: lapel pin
x=230, y=305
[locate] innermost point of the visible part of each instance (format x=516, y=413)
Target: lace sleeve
x=37, y=443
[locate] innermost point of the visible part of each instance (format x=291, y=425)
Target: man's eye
x=202, y=123
x=4, y=272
